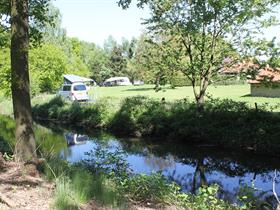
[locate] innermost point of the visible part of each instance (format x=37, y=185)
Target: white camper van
x=74, y=92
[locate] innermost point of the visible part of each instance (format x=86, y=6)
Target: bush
x=225, y=123
x=149, y=188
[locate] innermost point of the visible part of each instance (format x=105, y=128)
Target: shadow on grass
x=247, y=96
x=140, y=89
x=251, y=96
x=149, y=88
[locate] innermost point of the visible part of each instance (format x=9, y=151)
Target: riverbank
x=222, y=123
x=24, y=187
x=106, y=175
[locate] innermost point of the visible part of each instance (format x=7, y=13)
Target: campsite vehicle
x=74, y=92
x=138, y=82
x=117, y=81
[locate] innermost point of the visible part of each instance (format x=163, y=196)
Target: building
x=231, y=69
x=266, y=82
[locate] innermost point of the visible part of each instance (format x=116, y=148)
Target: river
x=189, y=166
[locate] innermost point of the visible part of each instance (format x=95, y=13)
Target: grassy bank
x=239, y=93
x=222, y=123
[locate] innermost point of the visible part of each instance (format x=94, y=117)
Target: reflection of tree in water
x=159, y=163
x=199, y=178
x=205, y=161
x=202, y=161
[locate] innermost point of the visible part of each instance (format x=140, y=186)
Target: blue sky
x=95, y=20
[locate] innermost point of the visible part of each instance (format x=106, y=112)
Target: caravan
x=117, y=81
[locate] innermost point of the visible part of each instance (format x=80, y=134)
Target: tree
x=25, y=147
x=47, y=66
x=263, y=51
x=207, y=30
x=16, y=15
x=99, y=65
x=117, y=62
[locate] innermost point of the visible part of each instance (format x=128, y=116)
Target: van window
x=79, y=87
x=66, y=88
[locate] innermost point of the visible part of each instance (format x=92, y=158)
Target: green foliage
x=149, y=189
x=47, y=66
x=86, y=115
x=128, y=115
x=265, y=51
x=49, y=143
x=7, y=137
x=38, y=14
x=5, y=71
x=75, y=185
x=206, y=199
x=249, y=196
x=102, y=161
x=4, y=37
x=65, y=196
x=192, y=35
x=97, y=186
x=222, y=122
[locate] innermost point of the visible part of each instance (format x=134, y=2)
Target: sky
x=95, y=20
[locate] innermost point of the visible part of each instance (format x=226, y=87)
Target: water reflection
x=188, y=166
x=75, y=139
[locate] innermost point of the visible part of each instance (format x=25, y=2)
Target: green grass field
x=234, y=92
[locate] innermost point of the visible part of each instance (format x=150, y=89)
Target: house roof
x=266, y=74
x=74, y=78
x=239, y=67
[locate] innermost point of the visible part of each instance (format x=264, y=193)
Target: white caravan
x=117, y=81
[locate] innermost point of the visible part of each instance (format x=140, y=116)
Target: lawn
x=235, y=92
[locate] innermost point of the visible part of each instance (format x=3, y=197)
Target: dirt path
x=21, y=188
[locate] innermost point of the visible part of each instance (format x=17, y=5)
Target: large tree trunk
x=25, y=139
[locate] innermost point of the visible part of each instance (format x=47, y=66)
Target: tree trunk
x=200, y=99
x=25, y=148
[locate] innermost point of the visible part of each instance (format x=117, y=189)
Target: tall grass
x=65, y=197
x=76, y=185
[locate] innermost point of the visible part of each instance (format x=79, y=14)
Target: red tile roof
x=239, y=67
x=266, y=74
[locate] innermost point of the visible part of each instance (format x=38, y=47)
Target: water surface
x=188, y=166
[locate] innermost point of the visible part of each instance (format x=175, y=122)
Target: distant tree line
x=54, y=53
x=155, y=57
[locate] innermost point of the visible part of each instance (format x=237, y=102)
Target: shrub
x=225, y=123
x=149, y=188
